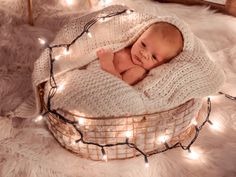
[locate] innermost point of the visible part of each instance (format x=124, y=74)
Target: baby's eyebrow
x=142, y=41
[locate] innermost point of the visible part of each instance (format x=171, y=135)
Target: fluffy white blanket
x=28, y=149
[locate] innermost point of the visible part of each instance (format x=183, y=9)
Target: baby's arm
x=134, y=75
x=106, y=61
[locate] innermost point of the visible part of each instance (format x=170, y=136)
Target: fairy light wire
x=228, y=96
x=53, y=91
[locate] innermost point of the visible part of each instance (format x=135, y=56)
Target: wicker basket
x=145, y=131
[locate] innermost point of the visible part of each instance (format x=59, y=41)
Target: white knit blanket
x=94, y=92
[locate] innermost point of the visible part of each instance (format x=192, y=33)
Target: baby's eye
x=154, y=57
x=144, y=45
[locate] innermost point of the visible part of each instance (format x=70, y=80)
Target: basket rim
x=44, y=107
x=125, y=116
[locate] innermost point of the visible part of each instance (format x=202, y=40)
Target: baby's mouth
x=138, y=60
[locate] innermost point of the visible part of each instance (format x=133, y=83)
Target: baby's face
x=154, y=48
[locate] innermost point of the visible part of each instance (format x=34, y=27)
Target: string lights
x=215, y=126
x=42, y=41
x=69, y=2
x=80, y=121
x=193, y=155
x=38, y=118
x=89, y=34
x=128, y=134
x=163, y=139
x=104, y=156
x=228, y=96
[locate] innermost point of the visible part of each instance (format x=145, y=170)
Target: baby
x=157, y=45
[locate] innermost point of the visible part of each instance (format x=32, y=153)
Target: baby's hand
x=106, y=59
x=105, y=54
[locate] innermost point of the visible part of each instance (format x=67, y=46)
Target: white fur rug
x=27, y=149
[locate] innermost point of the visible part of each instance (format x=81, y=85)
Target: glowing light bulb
x=193, y=155
x=39, y=118
x=42, y=41
x=81, y=121
x=103, y=19
x=163, y=138
x=146, y=162
x=128, y=134
x=69, y=2
x=89, y=34
x=61, y=87
x=214, y=98
x=66, y=52
x=104, y=156
x=128, y=11
x=211, y=97
x=57, y=57
x=194, y=122
x=216, y=126
x=79, y=117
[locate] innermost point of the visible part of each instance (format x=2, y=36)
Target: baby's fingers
x=100, y=51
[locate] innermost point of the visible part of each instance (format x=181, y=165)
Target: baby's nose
x=144, y=54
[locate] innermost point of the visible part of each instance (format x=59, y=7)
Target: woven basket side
x=146, y=130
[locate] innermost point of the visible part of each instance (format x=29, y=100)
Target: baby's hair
x=170, y=33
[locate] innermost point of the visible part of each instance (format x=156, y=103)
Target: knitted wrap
x=94, y=92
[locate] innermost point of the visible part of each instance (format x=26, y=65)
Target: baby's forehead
x=164, y=27
x=166, y=31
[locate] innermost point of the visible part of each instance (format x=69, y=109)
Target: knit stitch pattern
x=96, y=93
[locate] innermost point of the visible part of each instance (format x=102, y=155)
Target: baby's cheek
x=133, y=49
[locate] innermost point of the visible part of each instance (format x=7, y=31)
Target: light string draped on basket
x=228, y=96
x=54, y=87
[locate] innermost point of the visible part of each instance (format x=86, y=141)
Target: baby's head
x=157, y=45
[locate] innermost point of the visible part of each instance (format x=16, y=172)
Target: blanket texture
x=96, y=93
